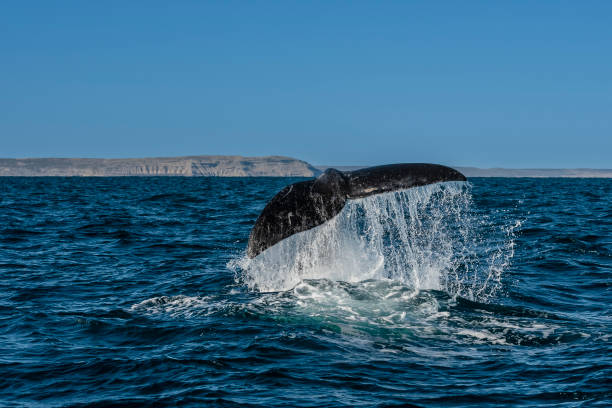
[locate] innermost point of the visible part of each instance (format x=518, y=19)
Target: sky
x=465, y=83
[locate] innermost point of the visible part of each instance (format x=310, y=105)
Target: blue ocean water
x=136, y=292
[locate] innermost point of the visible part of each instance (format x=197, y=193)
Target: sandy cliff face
x=229, y=166
x=219, y=166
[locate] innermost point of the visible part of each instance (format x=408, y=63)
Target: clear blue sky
x=483, y=83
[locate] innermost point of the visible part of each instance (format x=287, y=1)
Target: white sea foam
x=425, y=238
x=177, y=306
x=379, y=270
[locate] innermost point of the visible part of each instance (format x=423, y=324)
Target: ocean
x=137, y=292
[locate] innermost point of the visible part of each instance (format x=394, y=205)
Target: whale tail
x=307, y=204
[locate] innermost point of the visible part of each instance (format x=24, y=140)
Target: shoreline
x=235, y=166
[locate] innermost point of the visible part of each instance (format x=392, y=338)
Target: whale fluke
x=307, y=204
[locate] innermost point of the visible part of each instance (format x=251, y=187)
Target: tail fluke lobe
x=307, y=204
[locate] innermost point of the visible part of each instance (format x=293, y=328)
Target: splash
x=425, y=238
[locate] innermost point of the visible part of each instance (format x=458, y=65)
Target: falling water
x=425, y=238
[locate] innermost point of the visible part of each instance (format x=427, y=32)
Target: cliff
x=220, y=166
x=230, y=166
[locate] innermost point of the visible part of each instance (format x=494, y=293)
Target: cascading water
x=425, y=238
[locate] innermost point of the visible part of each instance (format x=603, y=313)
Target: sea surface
x=137, y=292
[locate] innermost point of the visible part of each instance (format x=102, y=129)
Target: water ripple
x=115, y=292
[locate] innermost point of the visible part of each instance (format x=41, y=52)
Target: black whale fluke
x=304, y=205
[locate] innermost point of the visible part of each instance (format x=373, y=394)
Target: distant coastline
x=567, y=173
x=186, y=166
x=229, y=166
x=504, y=172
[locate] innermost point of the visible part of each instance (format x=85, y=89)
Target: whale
x=307, y=204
